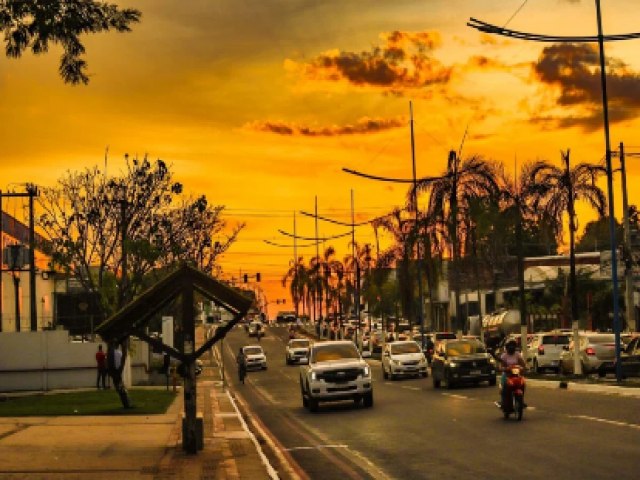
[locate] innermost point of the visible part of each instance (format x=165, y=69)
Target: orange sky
x=260, y=104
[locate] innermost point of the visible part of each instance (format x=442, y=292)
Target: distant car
x=630, y=358
x=403, y=358
x=297, y=351
x=546, y=349
x=462, y=361
x=256, y=329
x=254, y=357
x=285, y=317
x=596, y=351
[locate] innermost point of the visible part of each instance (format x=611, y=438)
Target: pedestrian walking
x=101, y=364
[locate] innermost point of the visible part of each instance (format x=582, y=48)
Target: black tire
x=424, y=375
x=450, y=384
x=368, y=400
x=357, y=400
x=436, y=383
x=519, y=406
x=313, y=404
x=493, y=381
x=385, y=375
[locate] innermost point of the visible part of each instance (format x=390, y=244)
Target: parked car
x=629, y=359
x=297, y=351
x=546, y=349
x=285, y=317
x=462, y=361
x=596, y=351
x=336, y=371
x=403, y=358
x=254, y=357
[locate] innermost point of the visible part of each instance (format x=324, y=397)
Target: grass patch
x=98, y=402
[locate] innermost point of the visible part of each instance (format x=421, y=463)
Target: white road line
x=415, y=389
x=315, y=447
x=609, y=422
x=459, y=397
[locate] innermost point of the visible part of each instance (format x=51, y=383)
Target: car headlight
x=492, y=360
x=366, y=371
x=453, y=365
x=314, y=377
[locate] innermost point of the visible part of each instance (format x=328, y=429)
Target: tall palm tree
x=448, y=204
x=297, y=278
x=560, y=189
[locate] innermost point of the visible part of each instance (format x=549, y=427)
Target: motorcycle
x=513, y=398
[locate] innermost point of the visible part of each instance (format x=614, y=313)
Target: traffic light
x=246, y=278
x=258, y=277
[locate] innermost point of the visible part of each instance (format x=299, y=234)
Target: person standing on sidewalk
x=101, y=363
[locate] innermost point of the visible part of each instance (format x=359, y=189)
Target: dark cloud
x=575, y=70
x=362, y=126
x=403, y=61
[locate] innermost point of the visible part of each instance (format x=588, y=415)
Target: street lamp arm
x=505, y=32
x=316, y=239
x=290, y=246
x=366, y=222
x=421, y=180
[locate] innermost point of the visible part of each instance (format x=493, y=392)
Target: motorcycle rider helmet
x=511, y=346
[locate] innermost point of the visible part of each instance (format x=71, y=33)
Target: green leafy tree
x=596, y=237
x=35, y=24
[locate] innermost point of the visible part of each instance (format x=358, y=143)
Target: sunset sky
x=259, y=104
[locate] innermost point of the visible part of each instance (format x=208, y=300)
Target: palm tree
x=448, y=204
x=34, y=24
x=560, y=189
x=297, y=277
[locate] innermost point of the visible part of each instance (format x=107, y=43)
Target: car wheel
x=385, y=375
x=436, y=383
x=493, y=381
x=424, y=374
x=368, y=400
x=313, y=404
x=450, y=384
x=357, y=400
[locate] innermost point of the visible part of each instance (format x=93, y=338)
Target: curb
x=585, y=387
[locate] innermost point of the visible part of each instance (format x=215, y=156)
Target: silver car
x=595, y=350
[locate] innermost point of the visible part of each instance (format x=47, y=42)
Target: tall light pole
x=600, y=39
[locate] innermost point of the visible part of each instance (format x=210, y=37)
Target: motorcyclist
x=242, y=366
x=509, y=358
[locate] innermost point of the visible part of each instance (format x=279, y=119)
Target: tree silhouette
x=36, y=24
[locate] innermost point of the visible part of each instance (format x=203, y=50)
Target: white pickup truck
x=335, y=371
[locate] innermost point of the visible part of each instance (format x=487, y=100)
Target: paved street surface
x=416, y=431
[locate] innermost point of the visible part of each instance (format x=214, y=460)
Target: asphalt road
x=415, y=431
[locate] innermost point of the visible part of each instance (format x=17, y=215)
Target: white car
x=256, y=329
x=254, y=357
x=336, y=371
x=403, y=358
x=545, y=350
x=297, y=351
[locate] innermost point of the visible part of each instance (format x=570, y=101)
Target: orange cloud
x=574, y=69
x=404, y=61
x=362, y=126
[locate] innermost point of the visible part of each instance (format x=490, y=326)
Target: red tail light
x=590, y=351
x=540, y=349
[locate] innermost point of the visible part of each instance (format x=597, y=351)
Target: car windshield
x=334, y=352
x=299, y=343
x=602, y=339
x=411, y=347
x=464, y=348
x=555, y=340
x=253, y=351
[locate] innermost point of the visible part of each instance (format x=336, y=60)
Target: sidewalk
x=136, y=447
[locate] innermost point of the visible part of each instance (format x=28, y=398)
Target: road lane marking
x=315, y=447
x=459, y=397
x=608, y=422
x=415, y=389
